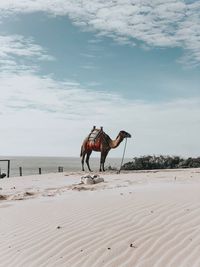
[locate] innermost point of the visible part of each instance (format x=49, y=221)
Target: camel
x=99, y=141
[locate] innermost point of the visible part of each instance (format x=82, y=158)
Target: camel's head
x=124, y=134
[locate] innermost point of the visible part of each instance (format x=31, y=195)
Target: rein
x=123, y=155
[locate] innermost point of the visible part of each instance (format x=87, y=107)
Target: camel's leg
x=100, y=166
x=82, y=161
x=88, y=158
x=101, y=161
x=104, y=159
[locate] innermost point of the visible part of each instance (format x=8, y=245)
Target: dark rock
x=2, y=175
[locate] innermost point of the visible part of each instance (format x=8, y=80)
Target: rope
x=123, y=155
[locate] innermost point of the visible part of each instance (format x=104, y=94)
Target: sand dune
x=132, y=219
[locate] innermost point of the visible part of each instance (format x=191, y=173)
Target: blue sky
x=131, y=65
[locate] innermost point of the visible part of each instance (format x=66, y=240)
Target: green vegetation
x=161, y=162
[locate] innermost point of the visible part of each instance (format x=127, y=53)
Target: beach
x=137, y=218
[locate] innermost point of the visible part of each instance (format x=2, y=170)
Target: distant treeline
x=161, y=162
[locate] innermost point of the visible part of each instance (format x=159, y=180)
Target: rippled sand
x=132, y=219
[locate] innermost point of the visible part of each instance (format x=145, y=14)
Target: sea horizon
x=30, y=164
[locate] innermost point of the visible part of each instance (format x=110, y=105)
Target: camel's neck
x=115, y=143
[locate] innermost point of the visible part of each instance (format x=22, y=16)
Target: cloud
x=163, y=23
x=43, y=116
x=88, y=55
x=15, y=49
x=88, y=66
x=28, y=92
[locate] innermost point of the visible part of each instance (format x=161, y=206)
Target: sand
x=141, y=219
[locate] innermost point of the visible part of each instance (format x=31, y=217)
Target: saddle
x=94, y=138
x=95, y=134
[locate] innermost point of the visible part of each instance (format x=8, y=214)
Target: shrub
x=161, y=162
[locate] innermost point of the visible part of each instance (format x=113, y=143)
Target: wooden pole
x=8, y=167
x=20, y=171
x=8, y=171
x=60, y=169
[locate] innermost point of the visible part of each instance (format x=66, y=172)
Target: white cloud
x=27, y=91
x=41, y=116
x=163, y=23
x=16, y=48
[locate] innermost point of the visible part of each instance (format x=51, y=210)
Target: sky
x=122, y=64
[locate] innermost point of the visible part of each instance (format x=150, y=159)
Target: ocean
x=31, y=165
